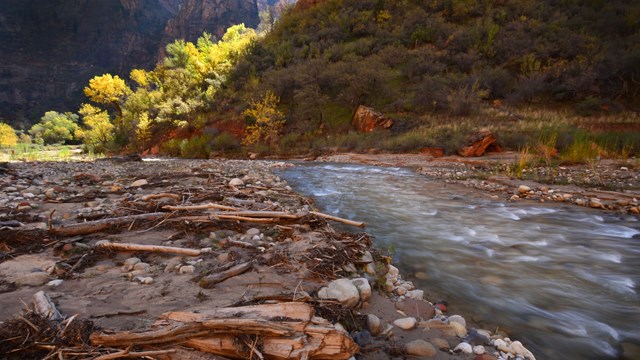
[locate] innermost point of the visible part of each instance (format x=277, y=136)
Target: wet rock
x=523, y=189
x=634, y=210
x=32, y=279
x=364, y=288
x=420, y=348
x=370, y=269
x=580, y=202
x=464, y=348
x=342, y=290
x=407, y=323
x=393, y=273
x=421, y=275
x=478, y=337
x=499, y=343
x=416, y=308
x=236, y=182
x=400, y=291
x=139, y=183
x=374, y=324
x=596, y=203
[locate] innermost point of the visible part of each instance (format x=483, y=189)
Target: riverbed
x=561, y=279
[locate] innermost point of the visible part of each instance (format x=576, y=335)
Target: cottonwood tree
x=55, y=127
x=8, y=136
x=266, y=121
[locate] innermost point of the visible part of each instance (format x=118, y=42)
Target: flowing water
x=562, y=279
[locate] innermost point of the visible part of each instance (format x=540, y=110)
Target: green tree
x=97, y=133
x=55, y=127
x=8, y=137
x=266, y=121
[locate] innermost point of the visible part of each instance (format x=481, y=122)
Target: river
x=561, y=279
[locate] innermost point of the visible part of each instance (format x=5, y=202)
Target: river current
x=563, y=280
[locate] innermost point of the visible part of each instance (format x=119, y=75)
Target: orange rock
x=367, y=119
x=477, y=143
x=433, y=151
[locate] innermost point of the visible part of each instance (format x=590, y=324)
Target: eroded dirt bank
x=227, y=234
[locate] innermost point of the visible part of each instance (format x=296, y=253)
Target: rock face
x=367, y=119
x=477, y=143
x=50, y=49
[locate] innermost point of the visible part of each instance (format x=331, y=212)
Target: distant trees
x=98, y=130
x=55, y=127
x=8, y=137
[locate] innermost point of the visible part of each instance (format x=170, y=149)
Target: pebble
x=460, y=330
x=172, y=265
x=139, y=183
x=463, y=347
x=415, y=294
x=374, y=324
x=188, y=269
x=405, y=323
x=142, y=266
x=145, y=280
x=129, y=264
x=596, y=203
x=363, y=338
x=479, y=350
x=253, y=232
x=55, y=283
x=523, y=189
x=236, y=182
x=458, y=319
x=420, y=348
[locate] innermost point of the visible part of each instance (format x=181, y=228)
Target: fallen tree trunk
x=90, y=227
x=149, y=248
x=275, y=331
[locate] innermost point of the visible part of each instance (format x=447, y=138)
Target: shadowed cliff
x=50, y=49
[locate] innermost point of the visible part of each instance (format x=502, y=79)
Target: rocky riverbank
x=606, y=185
x=201, y=236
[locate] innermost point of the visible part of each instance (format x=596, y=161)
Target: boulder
x=342, y=290
x=367, y=119
x=477, y=143
x=364, y=288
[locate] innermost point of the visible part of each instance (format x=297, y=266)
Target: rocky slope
x=49, y=50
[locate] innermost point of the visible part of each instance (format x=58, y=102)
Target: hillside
x=447, y=56
x=50, y=49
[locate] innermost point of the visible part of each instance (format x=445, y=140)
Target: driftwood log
x=274, y=331
x=210, y=281
x=90, y=227
x=150, y=248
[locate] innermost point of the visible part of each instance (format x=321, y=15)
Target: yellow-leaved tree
x=97, y=132
x=8, y=137
x=265, y=120
x=143, y=131
x=108, y=90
